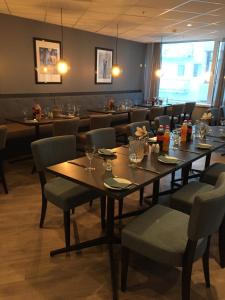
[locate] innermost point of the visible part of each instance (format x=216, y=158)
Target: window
x=185, y=71
x=180, y=70
x=197, y=70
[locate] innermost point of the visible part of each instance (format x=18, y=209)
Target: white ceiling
x=138, y=20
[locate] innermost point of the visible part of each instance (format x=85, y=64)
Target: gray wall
x=17, y=61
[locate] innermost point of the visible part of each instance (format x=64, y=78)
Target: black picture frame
x=103, y=65
x=46, y=55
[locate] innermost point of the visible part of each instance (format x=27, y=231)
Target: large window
x=186, y=71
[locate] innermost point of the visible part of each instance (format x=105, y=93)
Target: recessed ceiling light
x=189, y=25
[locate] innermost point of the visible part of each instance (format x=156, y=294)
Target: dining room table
x=149, y=171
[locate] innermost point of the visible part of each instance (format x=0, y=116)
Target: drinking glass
x=136, y=150
x=78, y=107
x=202, y=131
x=176, y=138
x=90, y=152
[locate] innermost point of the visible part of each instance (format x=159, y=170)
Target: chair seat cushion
x=183, y=199
x=161, y=235
x=67, y=194
x=211, y=175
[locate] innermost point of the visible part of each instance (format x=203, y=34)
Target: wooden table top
x=121, y=167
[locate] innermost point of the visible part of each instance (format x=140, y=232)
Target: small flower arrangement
x=36, y=111
x=141, y=132
x=207, y=116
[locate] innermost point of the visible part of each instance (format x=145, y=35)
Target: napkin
x=105, y=151
x=114, y=183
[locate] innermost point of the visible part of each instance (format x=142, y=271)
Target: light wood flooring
x=27, y=271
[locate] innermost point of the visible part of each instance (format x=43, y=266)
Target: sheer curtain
x=152, y=63
x=218, y=94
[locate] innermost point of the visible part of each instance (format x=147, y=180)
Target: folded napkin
x=168, y=159
x=105, y=151
x=204, y=146
x=118, y=183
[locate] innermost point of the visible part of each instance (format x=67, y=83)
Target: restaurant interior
x=112, y=149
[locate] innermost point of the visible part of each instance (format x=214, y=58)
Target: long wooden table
x=188, y=153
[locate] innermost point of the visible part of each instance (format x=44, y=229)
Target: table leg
x=207, y=160
x=185, y=173
x=110, y=234
x=155, y=194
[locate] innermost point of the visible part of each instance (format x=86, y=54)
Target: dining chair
x=65, y=127
x=61, y=192
x=215, y=116
x=153, y=113
x=222, y=113
x=102, y=138
x=183, y=199
x=188, y=110
x=161, y=120
x=100, y=121
x=174, y=238
x=3, y=136
x=138, y=115
x=175, y=111
x=96, y=122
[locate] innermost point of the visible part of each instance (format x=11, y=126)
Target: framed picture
x=103, y=65
x=46, y=56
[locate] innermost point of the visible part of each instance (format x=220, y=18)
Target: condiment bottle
x=166, y=139
x=160, y=136
x=184, y=132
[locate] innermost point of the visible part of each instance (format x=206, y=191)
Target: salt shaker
x=157, y=148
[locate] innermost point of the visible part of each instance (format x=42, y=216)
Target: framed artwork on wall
x=46, y=55
x=103, y=65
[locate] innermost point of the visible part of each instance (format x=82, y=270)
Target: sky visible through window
x=186, y=71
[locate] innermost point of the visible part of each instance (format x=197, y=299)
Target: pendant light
x=158, y=72
x=62, y=66
x=116, y=71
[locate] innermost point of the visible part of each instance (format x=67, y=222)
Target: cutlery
x=148, y=169
x=76, y=164
x=190, y=151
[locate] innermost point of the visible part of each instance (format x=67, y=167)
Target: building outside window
x=186, y=71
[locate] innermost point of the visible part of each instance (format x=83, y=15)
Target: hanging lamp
x=62, y=66
x=116, y=70
x=158, y=72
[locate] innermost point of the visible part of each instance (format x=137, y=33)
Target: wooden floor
x=27, y=271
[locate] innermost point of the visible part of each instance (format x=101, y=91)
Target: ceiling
x=138, y=20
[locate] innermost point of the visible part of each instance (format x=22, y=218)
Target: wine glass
x=90, y=152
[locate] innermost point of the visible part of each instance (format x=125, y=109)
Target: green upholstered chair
x=3, y=135
x=66, y=127
x=183, y=199
x=102, y=138
x=211, y=174
x=174, y=238
x=61, y=192
x=161, y=120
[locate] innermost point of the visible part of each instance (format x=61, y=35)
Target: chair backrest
x=3, y=135
x=208, y=211
x=100, y=121
x=155, y=112
x=138, y=115
x=175, y=110
x=53, y=150
x=162, y=120
x=102, y=138
x=222, y=112
x=215, y=113
x=66, y=127
x=132, y=127
x=188, y=108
